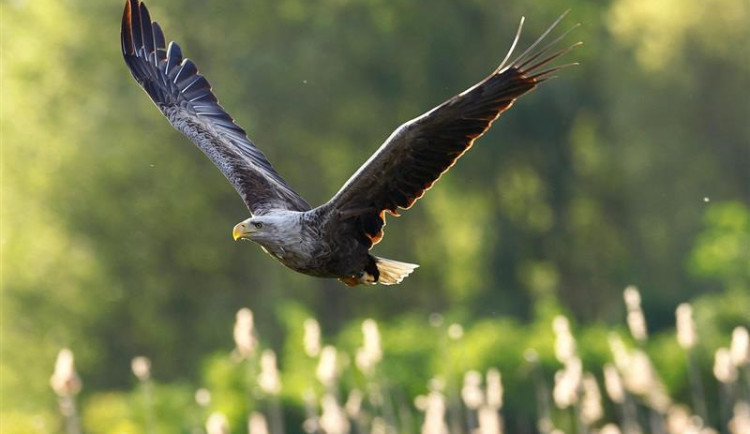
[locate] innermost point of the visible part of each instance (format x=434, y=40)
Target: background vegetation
x=633, y=168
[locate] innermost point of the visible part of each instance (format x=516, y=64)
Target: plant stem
x=69, y=412
x=696, y=386
x=148, y=404
x=542, y=398
x=630, y=416
x=277, y=418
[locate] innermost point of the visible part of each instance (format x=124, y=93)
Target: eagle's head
x=268, y=228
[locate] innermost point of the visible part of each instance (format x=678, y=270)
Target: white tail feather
x=393, y=272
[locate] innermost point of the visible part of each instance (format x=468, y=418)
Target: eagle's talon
x=364, y=278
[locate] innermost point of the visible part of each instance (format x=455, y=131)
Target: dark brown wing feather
x=421, y=150
x=186, y=99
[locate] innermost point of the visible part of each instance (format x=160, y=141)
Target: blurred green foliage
x=723, y=250
x=631, y=168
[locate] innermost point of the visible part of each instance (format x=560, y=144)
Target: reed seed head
x=685, y=326
x=312, y=337
x=256, y=423
x=639, y=375
x=434, y=417
x=651, y=387
x=740, y=347
x=333, y=420
x=632, y=298
x=619, y=352
x=494, y=389
x=740, y=423
x=471, y=392
x=244, y=333
x=380, y=426
x=565, y=343
x=455, y=331
x=640, y=378
x=269, y=379
x=217, y=424
x=568, y=383
x=678, y=419
x=436, y=384
x=203, y=397
x=65, y=381
x=635, y=318
x=560, y=324
x=489, y=420
x=371, y=353
x=372, y=340
x=591, y=402
x=613, y=384
x=327, y=371
x=724, y=369
x=141, y=367
x=610, y=428
x=637, y=325
x=353, y=403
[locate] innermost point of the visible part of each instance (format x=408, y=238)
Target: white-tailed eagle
x=334, y=239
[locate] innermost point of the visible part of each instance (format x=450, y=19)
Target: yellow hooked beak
x=240, y=230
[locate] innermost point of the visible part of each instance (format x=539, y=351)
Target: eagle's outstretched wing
x=421, y=150
x=185, y=98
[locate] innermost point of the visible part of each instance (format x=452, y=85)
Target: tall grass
x=624, y=395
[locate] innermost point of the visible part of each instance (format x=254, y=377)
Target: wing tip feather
x=534, y=58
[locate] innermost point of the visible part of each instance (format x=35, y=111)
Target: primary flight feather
x=334, y=239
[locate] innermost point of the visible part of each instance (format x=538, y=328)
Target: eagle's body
x=334, y=239
x=320, y=244
x=299, y=241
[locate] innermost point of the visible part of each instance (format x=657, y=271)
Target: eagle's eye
x=258, y=225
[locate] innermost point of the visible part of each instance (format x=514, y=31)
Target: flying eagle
x=334, y=239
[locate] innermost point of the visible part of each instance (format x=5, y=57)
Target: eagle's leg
x=369, y=276
x=350, y=280
x=364, y=278
x=380, y=270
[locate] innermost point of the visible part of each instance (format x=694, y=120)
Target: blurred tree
x=722, y=250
